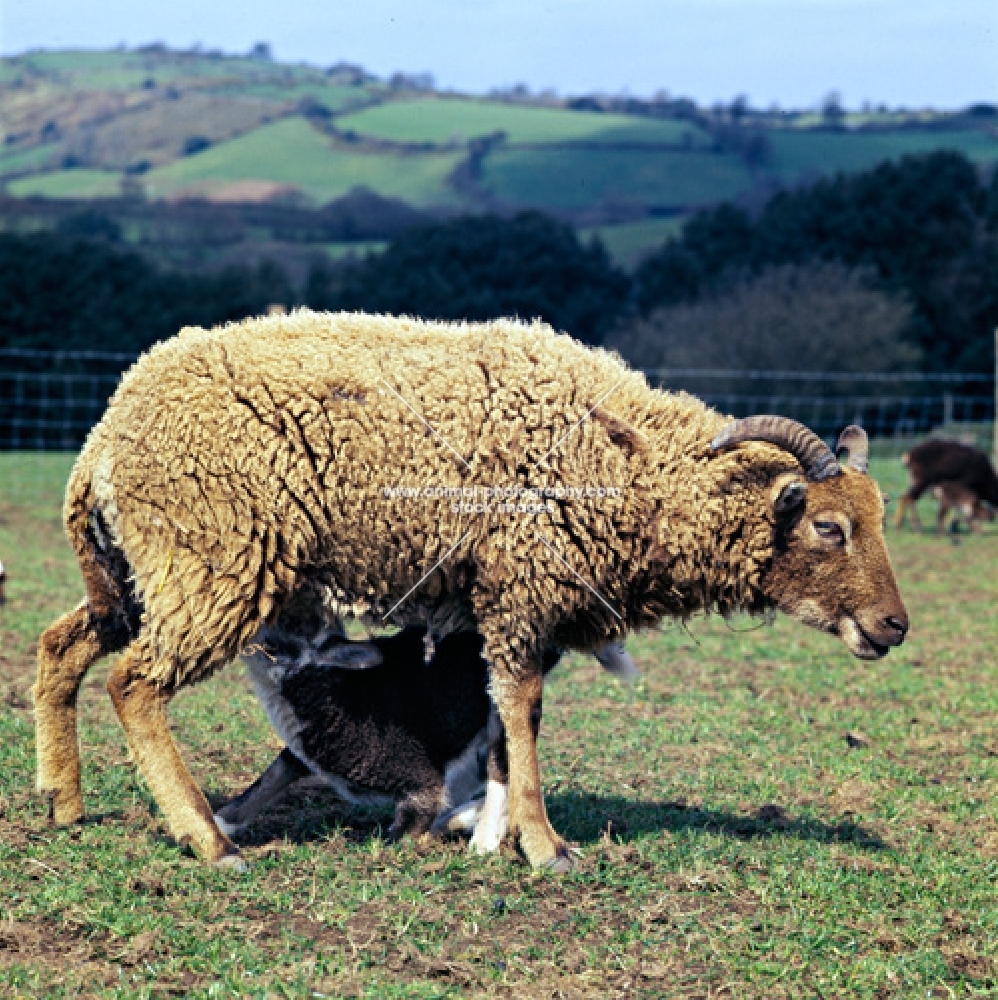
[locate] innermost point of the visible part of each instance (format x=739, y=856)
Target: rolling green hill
x=443, y=120
x=157, y=124
x=292, y=153
x=560, y=179
x=799, y=152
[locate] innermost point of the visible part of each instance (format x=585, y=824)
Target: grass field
x=734, y=842
x=291, y=152
x=28, y=159
x=68, y=184
x=559, y=179
x=813, y=153
x=440, y=121
x=629, y=242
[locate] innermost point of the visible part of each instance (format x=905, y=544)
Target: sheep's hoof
x=64, y=809
x=562, y=863
x=232, y=862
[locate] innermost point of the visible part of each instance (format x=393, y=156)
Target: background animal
x=939, y=460
x=963, y=504
x=236, y=465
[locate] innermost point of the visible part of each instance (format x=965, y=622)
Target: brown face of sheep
x=831, y=569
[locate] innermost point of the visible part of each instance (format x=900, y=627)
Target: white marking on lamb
x=494, y=820
x=459, y=819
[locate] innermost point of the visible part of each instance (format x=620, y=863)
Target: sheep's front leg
x=517, y=696
x=141, y=707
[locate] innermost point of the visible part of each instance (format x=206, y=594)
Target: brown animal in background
x=939, y=460
x=963, y=503
x=237, y=465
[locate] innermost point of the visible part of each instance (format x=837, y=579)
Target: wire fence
x=50, y=400
x=894, y=408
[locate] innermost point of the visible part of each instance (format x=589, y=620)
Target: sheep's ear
x=350, y=656
x=790, y=497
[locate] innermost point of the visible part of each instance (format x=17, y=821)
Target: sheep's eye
x=830, y=532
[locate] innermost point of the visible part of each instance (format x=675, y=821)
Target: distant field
x=128, y=69
x=630, y=242
x=68, y=184
x=561, y=179
x=441, y=120
x=357, y=249
x=798, y=152
x=130, y=110
x=291, y=152
x=334, y=99
x=27, y=159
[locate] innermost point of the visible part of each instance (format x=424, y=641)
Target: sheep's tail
x=107, y=575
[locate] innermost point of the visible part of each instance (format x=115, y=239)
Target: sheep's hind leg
x=66, y=650
x=141, y=707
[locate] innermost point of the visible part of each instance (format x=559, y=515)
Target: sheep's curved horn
x=854, y=443
x=813, y=454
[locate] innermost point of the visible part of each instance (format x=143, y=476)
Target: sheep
x=374, y=723
x=939, y=460
x=3, y=582
x=236, y=465
x=965, y=505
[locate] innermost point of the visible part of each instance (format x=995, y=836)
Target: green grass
x=334, y=98
x=357, y=248
x=562, y=179
x=443, y=120
x=802, y=152
x=67, y=184
x=733, y=843
x=27, y=159
x=629, y=242
x=291, y=152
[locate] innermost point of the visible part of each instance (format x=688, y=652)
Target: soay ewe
x=236, y=465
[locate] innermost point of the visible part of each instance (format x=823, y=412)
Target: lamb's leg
x=66, y=651
x=141, y=707
x=493, y=819
x=415, y=812
x=238, y=813
x=941, y=516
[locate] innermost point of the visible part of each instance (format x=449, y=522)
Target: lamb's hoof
x=561, y=864
x=232, y=862
x=229, y=829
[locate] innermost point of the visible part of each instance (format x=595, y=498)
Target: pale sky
x=912, y=53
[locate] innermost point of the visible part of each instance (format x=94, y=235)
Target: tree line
x=894, y=267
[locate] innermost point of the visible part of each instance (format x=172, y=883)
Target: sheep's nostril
x=896, y=625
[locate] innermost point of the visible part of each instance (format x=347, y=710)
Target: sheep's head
x=830, y=569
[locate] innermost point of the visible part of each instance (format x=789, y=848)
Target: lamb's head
x=830, y=567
